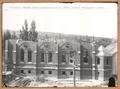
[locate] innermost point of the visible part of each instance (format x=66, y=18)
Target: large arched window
x=50, y=57
x=29, y=56
x=63, y=58
x=22, y=55
x=71, y=53
x=42, y=57
x=85, y=60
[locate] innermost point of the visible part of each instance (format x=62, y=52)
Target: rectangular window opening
x=71, y=73
x=22, y=71
x=49, y=72
x=42, y=72
x=63, y=73
x=98, y=60
x=29, y=71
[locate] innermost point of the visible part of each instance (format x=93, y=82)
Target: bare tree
x=24, y=31
x=33, y=34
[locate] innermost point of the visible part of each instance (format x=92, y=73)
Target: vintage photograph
x=59, y=44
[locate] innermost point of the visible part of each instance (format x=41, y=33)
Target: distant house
x=57, y=59
x=107, y=61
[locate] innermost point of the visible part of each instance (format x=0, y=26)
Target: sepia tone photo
x=59, y=45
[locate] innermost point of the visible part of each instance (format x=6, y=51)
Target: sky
x=92, y=19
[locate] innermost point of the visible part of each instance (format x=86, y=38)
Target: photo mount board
x=65, y=1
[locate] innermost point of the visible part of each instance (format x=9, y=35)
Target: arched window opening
x=49, y=57
x=22, y=55
x=29, y=56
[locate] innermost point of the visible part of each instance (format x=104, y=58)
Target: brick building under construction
x=58, y=59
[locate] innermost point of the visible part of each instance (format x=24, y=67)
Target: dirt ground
x=52, y=82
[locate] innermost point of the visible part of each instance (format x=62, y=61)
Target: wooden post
x=58, y=61
x=74, y=77
x=93, y=59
